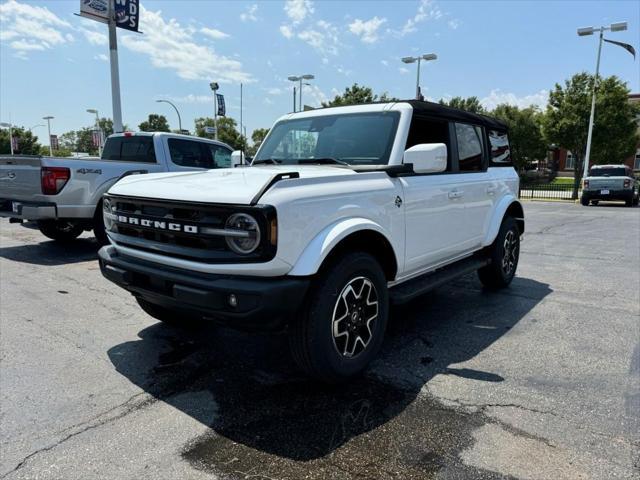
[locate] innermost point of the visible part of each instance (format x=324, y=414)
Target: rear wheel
x=504, y=254
x=584, y=201
x=60, y=230
x=594, y=202
x=343, y=324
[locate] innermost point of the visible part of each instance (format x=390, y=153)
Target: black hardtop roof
x=443, y=111
x=438, y=110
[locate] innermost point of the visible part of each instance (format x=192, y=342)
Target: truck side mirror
x=237, y=159
x=427, y=157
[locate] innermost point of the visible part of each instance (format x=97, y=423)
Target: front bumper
x=625, y=194
x=27, y=210
x=263, y=303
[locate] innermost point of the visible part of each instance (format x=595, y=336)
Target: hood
x=225, y=185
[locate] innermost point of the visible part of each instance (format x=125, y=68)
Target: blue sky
x=55, y=63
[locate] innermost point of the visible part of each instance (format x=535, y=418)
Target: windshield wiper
x=271, y=161
x=322, y=161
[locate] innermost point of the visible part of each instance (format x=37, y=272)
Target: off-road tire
x=316, y=336
x=167, y=315
x=98, y=227
x=505, y=248
x=584, y=201
x=60, y=230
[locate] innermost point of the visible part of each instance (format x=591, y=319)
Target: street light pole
x=98, y=129
x=35, y=126
x=10, y=127
x=214, y=86
x=48, y=119
x=582, y=32
x=426, y=57
x=299, y=79
x=176, y=109
x=115, y=71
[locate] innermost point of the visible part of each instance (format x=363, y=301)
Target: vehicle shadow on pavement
x=51, y=253
x=291, y=424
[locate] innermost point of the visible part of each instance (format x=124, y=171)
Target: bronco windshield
x=352, y=139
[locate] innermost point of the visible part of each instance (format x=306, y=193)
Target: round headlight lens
x=245, y=244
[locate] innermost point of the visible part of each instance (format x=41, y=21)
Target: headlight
x=107, y=215
x=249, y=233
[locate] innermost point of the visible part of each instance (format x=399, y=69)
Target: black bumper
x=262, y=303
x=612, y=195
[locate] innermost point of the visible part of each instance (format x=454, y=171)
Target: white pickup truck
x=64, y=194
x=342, y=211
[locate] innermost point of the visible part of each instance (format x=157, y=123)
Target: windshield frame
x=385, y=158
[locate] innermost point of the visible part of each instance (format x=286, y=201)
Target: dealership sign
x=127, y=12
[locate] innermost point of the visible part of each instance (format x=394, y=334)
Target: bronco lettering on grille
x=157, y=224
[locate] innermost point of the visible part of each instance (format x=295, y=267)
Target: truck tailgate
x=20, y=177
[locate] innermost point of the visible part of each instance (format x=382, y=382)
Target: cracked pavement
x=539, y=381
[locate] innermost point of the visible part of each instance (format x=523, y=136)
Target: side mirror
x=237, y=159
x=427, y=157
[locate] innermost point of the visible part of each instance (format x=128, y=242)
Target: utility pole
x=48, y=119
x=115, y=72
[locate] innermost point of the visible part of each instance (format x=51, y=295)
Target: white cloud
x=95, y=38
x=323, y=38
x=191, y=98
x=403, y=70
x=275, y=91
x=286, y=31
x=367, y=31
x=317, y=96
x=250, y=14
x=454, y=23
x=31, y=28
x=496, y=97
x=102, y=57
x=298, y=10
x=169, y=45
x=384, y=62
x=213, y=33
x=427, y=10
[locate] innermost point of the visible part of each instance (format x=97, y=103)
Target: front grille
x=189, y=220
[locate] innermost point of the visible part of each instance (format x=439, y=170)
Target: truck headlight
x=107, y=214
x=248, y=230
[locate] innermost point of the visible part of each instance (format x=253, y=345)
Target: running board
x=417, y=286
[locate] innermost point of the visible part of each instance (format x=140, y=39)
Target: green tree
x=470, y=104
x=27, y=142
x=227, y=131
x=106, y=125
x=155, y=123
x=61, y=152
x=567, y=120
x=257, y=137
x=525, y=133
x=357, y=94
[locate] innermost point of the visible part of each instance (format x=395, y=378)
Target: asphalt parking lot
x=540, y=381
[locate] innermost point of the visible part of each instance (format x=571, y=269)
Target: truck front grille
x=176, y=229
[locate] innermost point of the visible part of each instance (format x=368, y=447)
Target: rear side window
x=221, y=156
x=130, y=149
x=500, y=151
x=470, y=147
x=425, y=130
x=189, y=153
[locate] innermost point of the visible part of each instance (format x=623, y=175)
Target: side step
x=417, y=286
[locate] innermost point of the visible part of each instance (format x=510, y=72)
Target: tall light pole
x=115, y=70
x=299, y=79
x=176, y=109
x=426, y=57
x=583, y=32
x=10, y=127
x=48, y=119
x=99, y=130
x=36, y=126
x=214, y=86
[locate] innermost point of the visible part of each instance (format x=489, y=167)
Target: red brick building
x=565, y=163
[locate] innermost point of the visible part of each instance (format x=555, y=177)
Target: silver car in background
x=610, y=182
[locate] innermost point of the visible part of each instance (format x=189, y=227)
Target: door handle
x=455, y=194
x=491, y=190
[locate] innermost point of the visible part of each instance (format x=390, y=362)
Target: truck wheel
x=344, y=320
x=98, y=227
x=60, y=230
x=504, y=254
x=636, y=200
x=166, y=315
x=595, y=202
x=584, y=201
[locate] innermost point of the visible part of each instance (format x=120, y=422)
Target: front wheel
x=504, y=254
x=60, y=230
x=343, y=324
x=584, y=201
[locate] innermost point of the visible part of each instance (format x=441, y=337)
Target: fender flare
x=312, y=257
x=498, y=214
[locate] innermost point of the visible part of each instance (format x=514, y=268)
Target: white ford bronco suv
x=342, y=211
